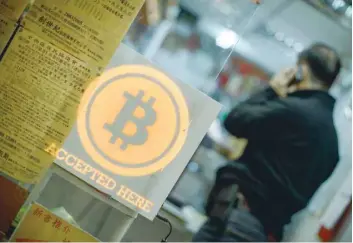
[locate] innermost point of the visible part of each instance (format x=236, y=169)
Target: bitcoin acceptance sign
x=137, y=129
x=133, y=120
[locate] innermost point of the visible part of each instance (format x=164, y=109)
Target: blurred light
x=193, y=166
x=348, y=112
x=348, y=12
x=226, y=39
x=338, y=4
x=289, y=42
x=298, y=47
x=279, y=36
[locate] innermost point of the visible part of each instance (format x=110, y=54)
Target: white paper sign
x=136, y=131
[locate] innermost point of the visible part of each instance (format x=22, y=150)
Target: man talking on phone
x=292, y=149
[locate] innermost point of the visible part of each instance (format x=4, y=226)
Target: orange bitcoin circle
x=133, y=120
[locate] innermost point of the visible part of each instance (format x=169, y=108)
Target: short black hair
x=323, y=61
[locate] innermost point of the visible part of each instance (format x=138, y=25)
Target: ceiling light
x=336, y=4
x=348, y=12
x=298, y=47
x=289, y=42
x=226, y=39
x=279, y=36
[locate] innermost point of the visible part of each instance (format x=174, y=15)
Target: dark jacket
x=292, y=149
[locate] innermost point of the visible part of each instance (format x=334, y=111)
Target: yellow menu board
x=41, y=86
x=7, y=27
x=13, y=9
x=41, y=225
x=88, y=29
x=62, y=47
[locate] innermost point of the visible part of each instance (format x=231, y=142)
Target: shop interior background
x=228, y=49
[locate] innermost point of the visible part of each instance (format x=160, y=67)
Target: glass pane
x=197, y=43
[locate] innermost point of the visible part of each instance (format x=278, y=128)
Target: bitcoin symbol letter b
x=127, y=115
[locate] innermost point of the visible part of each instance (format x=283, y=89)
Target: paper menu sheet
x=62, y=47
x=13, y=9
x=7, y=27
x=90, y=30
x=41, y=225
x=41, y=87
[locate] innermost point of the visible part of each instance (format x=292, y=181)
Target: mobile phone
x=298, y=77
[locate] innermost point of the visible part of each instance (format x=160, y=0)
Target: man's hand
x=280, y=81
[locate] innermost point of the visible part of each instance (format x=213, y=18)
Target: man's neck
x=311, y=86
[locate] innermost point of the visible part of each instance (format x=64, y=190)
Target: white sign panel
x=136, y=131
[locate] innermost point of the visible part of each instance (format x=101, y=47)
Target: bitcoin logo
x=133, y=120
x=126, y=115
